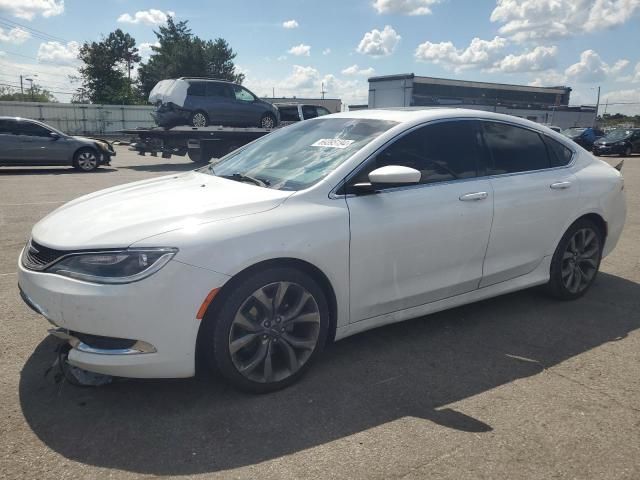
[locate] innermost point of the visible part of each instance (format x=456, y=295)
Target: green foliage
x=33, y=93
x=106, y=73
x=612, y=120
x=182, y=54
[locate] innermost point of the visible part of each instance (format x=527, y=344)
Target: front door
x=36, y=145
x=417, y=244
x=534, y=197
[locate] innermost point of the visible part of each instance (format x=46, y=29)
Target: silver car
x=25, y=142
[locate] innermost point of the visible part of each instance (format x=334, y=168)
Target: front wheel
x=198, y=119
x=268, y=330
x=268, y=121
x=86, y=160
x=576, y=260
x=627, y=151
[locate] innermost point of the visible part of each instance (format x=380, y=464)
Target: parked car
x=622, y=141
x=316, y=232
x=555, y=128
x=583, y=136
x=200, y=102
x=29, y=142
x=293, y=112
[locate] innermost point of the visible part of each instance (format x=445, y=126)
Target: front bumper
x=159, y=311
x=608, y=150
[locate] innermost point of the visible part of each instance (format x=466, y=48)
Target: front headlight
x=124, y=266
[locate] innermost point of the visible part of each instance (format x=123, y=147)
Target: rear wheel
x=86, y=160
x=268, y=330
x=576, y=260
x=198, y=119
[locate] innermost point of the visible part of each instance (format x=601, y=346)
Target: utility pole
x=21, y=87
x=595, y=121
x=273, y=92
x=322, y=90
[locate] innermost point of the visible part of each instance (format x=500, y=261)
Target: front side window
x=441, y=151
x=296, y=157
x=309, y=111
x=32, y=130
x=289, y=114
x=243, y=94
x=513, y=149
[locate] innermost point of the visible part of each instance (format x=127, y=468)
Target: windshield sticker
x=332, y=143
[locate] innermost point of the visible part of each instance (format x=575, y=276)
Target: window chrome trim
x=333, y=195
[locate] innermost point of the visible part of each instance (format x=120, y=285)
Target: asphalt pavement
x=516, y=387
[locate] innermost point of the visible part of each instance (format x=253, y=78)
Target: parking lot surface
x=519, y=386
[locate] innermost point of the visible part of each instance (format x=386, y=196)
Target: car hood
x=120, y=216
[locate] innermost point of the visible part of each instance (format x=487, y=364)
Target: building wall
x=334, y=105
x=391, y=93
x=80, y=119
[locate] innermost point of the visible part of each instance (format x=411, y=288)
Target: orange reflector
x=206, y=303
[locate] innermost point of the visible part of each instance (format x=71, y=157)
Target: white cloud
x=378, y=43
x=354, y=70
x=281, y=58
x=145, y=50
x=326, y=51
x=58, y=53
x=52, y=77
x=146, y=17
x=524, y=20
x=404, y=7
x=628, y=101
x=479, y=53
x=301, y=50
x=591, y=68
x=289, y=24
x=15, y=35
x=28, y=9
x=302, y=77
x=538, y=59
x=551, y=78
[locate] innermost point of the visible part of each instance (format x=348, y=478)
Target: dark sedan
x=621, y=141
x=583, y=136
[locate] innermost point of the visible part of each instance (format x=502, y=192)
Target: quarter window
x=441, y=152
x=559, y=155
x=513, y=149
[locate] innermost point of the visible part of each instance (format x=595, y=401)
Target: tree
x=182, y=54
x=106, y=73
x=34, y=93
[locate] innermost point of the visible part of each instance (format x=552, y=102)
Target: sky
x=300, y=47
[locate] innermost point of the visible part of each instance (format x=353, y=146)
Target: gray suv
x=200, y=102
x=25, y=142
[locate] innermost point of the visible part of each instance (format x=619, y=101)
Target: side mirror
x=395, y=175
x=54, y=135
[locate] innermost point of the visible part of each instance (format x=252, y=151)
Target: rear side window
x=559, y=155
x=289, y=114
x=7, y=127
x=513, y=149
x=196, y=89
x=309, y=111
x=214, y=89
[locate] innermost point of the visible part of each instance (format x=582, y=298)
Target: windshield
x=573, y=132
x=618, y=134
x=296, y=157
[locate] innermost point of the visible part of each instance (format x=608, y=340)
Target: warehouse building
x=547, y=105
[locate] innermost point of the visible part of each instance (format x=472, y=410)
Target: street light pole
x=595, y=120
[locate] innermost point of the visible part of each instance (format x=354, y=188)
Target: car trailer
x=201, y=144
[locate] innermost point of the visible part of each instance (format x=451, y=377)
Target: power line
x=34, y=32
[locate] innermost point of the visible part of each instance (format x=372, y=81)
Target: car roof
x=206, y=79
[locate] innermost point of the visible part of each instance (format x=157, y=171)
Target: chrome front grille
x=39, y=257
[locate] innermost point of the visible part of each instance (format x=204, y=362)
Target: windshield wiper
x=239, y=177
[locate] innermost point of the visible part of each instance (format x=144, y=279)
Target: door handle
x=474, y=197
x=560, y=185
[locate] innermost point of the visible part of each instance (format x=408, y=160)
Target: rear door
x=535, y=194
x=9, y=141
x=219, y=102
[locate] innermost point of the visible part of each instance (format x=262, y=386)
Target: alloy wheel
x=580, y=260
x=199, y=120
x=267, y=121
x=87, y=161
x=274, y=332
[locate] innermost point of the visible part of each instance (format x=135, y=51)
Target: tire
x=86, y=160
x=199, y=119
x=627, y=151
x=263, y=350
x=195, y=154
x=268, y=121
x=576, y=261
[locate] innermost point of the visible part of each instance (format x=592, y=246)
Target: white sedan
x=316, y=232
